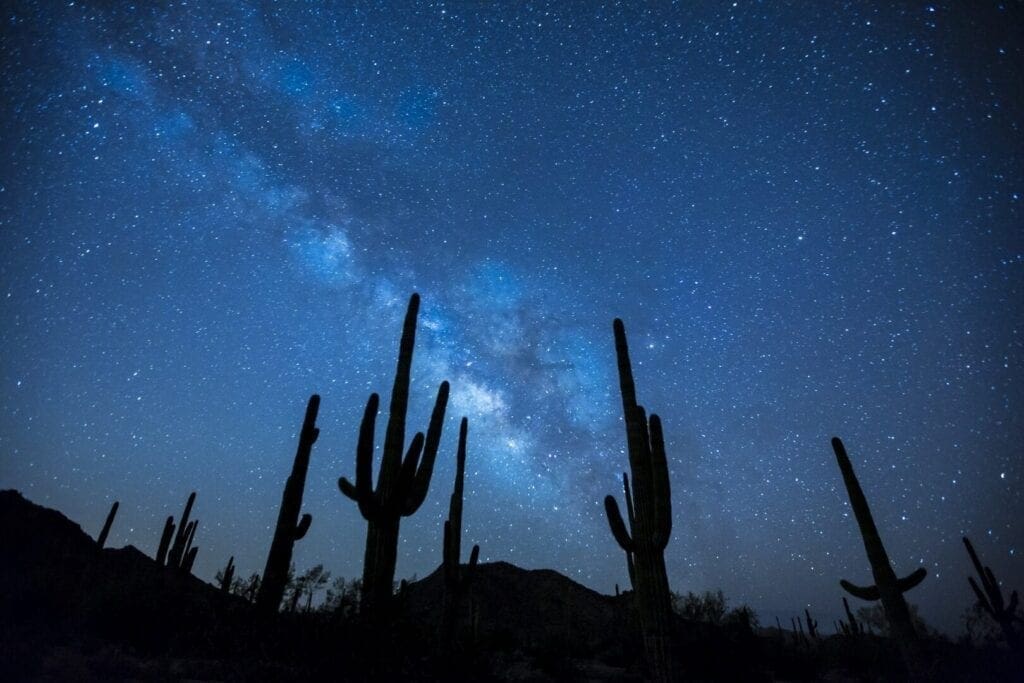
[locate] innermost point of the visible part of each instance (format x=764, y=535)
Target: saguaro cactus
x=227, y=576
x=165, y=541
x=990, y=597
x=102, y=539
x=183, y=538
x=812, y=625
x=851, y=626
x=455, y=580
x=402, y=483
x=649, y=510
x=887, y=587
x=289, y=528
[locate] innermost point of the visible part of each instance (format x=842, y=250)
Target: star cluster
x=808, y=215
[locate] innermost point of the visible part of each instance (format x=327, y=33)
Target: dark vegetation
x=71, y=609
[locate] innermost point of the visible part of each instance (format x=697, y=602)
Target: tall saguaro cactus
x=887, y=587
x=289, y=527
x=649, y=510
x=402, y=483
x=102, y=538
x=455, y=580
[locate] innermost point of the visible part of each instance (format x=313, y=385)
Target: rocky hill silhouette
x=73, y=608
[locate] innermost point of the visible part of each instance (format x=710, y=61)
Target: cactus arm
x=363, y=489
x=660, y=490
x=421, y=484
x=618, y=527
x=303, y=526
x=403, y=497
x=868, y=593
x=630, y=515
x=912, y=579
x=474, y=556
x=348, y=489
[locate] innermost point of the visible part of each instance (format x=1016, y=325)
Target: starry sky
x=809, y=216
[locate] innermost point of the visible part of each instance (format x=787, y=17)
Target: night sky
x=808, y=215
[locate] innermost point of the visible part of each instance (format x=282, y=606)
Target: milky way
x=809, y=217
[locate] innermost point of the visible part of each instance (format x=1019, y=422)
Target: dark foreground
x=70, y=610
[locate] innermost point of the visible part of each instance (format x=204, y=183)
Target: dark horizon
x=809, y=219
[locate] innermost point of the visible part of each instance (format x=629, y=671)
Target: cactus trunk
x=102, y=539
x=456, y=581
x=289, y=527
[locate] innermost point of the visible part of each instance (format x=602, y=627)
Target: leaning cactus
x=990, y=597
x=456, y=581
x=650, y=520
x=402, y=483
x=102, y=539
x=289, y=528
x=887, y=587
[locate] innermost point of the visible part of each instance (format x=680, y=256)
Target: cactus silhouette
x=175, y=549
x=289, y=527
x=990, y=597
x=402, y=483
x=887, y=587
x=649, y=511
x=101, y=540
x=851, y=626
x=184, y=535
x=456, y=581
x=165, y=541
x=812, y=625
x=227, y=576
